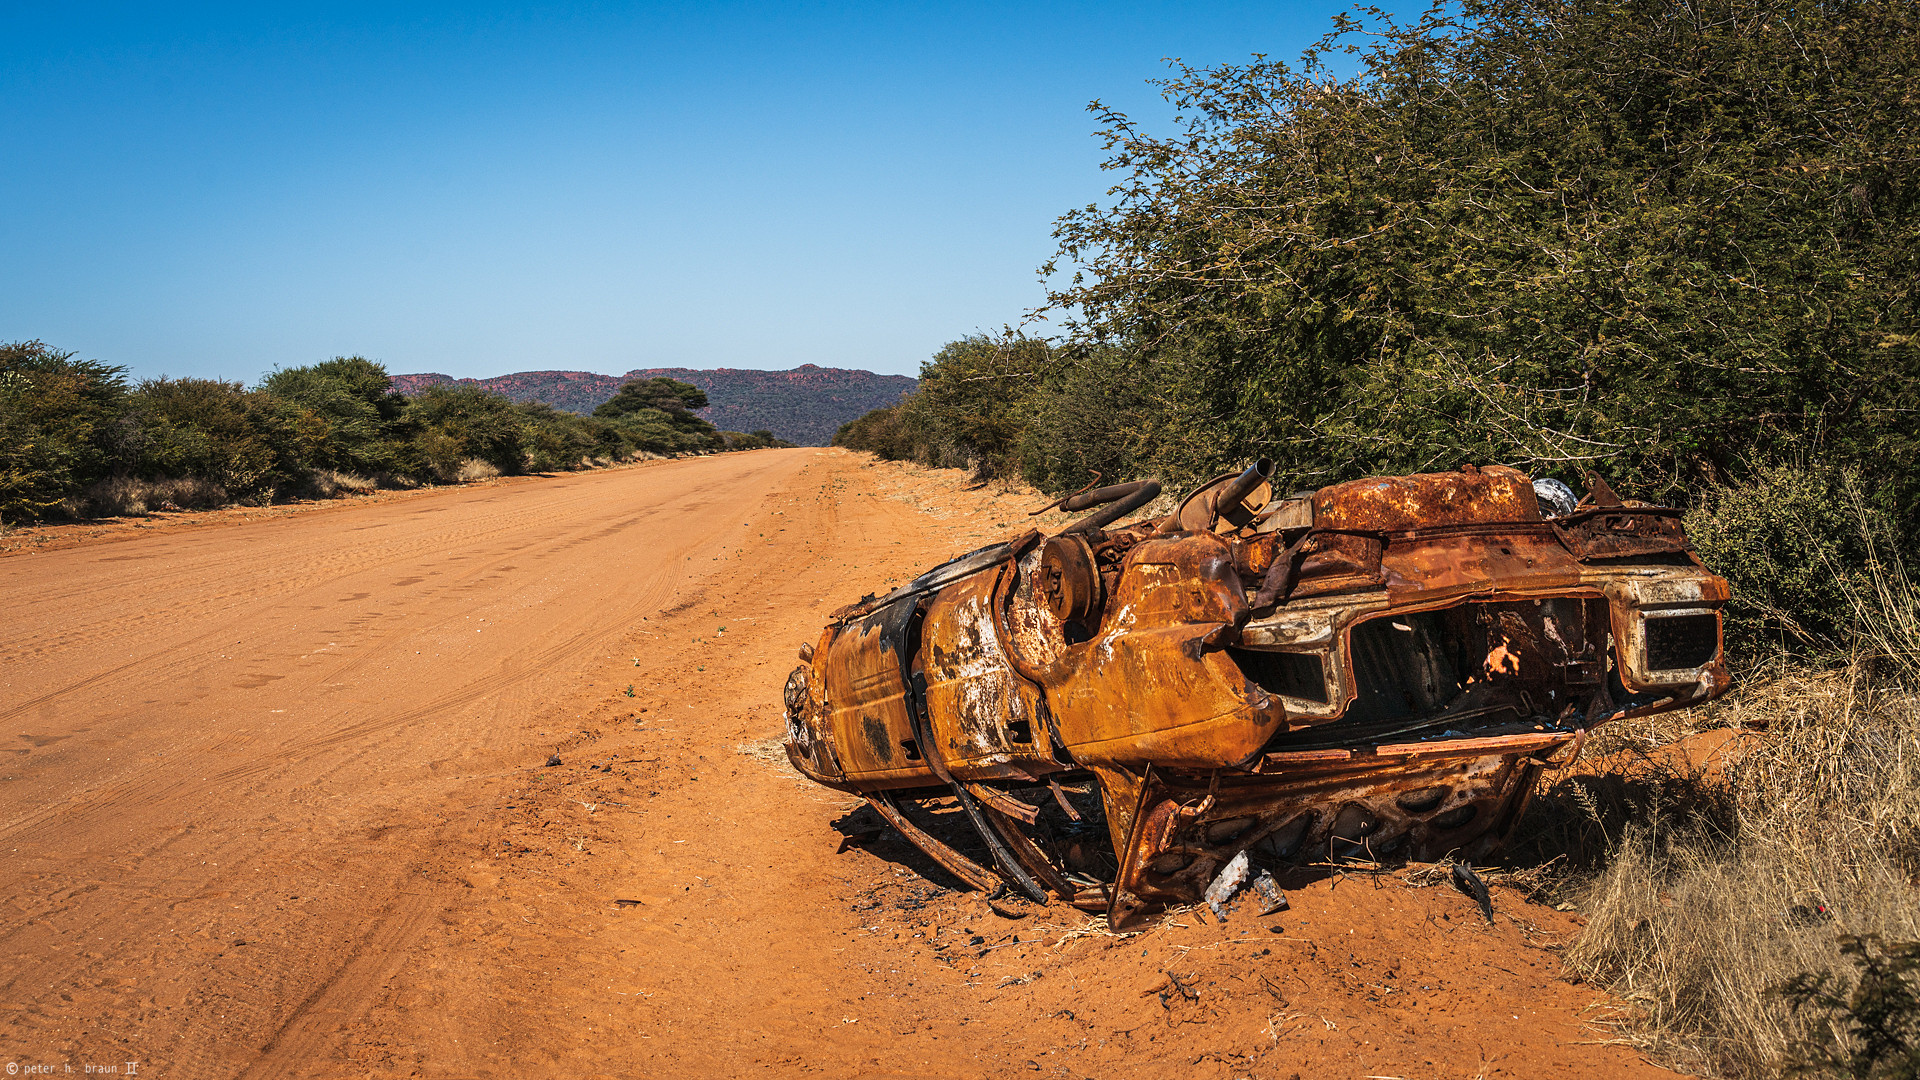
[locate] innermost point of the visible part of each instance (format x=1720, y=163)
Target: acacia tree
x=657, y=414
x=1673, y=237
x=667, y=395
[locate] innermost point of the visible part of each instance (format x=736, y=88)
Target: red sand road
x=275, y=803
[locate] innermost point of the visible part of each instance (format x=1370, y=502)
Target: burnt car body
x=1379, y=668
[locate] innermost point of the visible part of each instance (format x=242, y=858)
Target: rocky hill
x=804, y=405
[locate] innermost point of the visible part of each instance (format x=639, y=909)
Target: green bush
x=74, y=440
x=554, y=439
x=453, y=424
x=973, y=410
x=879, y=432
x=206, y=428
x=352, y=419
x=1796, y=543
x=299, y=437
x=1877, y=1018
x=667, y=395
x=653, y=431
x=1088, y=417
x=970, y=409
x=1655, y=237
x=56, y=418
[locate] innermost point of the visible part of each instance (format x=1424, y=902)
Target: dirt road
x=276, y=803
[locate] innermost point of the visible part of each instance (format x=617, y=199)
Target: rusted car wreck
x=1379, y=669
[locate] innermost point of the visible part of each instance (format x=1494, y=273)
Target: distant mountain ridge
x=804, y=405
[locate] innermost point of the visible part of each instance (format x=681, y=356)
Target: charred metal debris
x=1377, y=669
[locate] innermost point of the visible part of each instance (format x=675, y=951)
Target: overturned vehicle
x=1377, y=669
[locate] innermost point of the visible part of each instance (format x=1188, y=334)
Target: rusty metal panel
x=1453, y=563
x=1155, y=684
x=1421, y=803
x=1613, y=532
x=865, y=711
x=1426, y=501
x=985, y=716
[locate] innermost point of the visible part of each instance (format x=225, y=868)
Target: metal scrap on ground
x=1377, y=669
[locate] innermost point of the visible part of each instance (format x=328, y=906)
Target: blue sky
x=219, y=191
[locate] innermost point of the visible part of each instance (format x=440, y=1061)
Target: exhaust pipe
x=1257, y=473
x=1130, y=497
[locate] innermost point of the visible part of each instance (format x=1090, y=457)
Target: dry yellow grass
x=474, y=469
x=1726, y=879
x=331, y=483
x=130, y=497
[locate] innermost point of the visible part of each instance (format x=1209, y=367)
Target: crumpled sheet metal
x=1435, y=641
x=1413, y=801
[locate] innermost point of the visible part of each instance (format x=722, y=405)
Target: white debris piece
x=1228, y=882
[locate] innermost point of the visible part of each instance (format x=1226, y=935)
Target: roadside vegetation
x=1674, y=243
x=77, y=440
x=1750, y=870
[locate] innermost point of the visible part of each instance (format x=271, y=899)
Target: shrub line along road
x=275, y=803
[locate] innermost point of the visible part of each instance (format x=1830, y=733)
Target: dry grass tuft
x=772, y=752
x=1730, y=875
x=474, y=469
x=129, y=497
x=331, y=483
x=1887, y=607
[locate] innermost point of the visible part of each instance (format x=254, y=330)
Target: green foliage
x=969, y=409
x=353, y=376
x=298, y=435
x=652, y=431
x=656, y=415
x=1085, y=419
x=1873, y=1027
x=880, y=432
x=666, y=395
x=1796, y=543
x=74, y=440
x=454, y=423
x=1664, y=238
x=360, y=427
x=55, y=421
x=205, y=428
x=555, y=439
x=973, y=410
